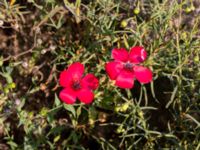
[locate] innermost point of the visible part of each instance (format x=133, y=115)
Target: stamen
x=76, y=85
x=128, y=66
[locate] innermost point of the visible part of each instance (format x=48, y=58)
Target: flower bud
x=136, y=11
x=196, y=59
x=6, y=90
x=140, y=114
x=184, y=35
x=124, y=23
x=188, y=10
x=12, y=85
x=91, y=121
x=124, y=107
x=120, y=129
x=117, y=108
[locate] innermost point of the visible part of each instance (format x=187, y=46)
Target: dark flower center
x=76, y=85
x=128, y=66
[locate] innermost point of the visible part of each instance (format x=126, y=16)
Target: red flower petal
x=90, y=81
x=68, y=96
x=113, y=69
x=125, y=79
x=86, y=96
x=143, y=74
x=137, y=54
x=75, y=71
x=120, y=54
x=65, y=79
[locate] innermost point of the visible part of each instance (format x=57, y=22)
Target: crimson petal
x=74, y=72
x=143, y=74
x=125, y=80
x=137, y=54
x=68, y=96
x=65, y=78
x=86, y=96
x=113, y=69
x=120, y=54
x=76, y=69
x=90, y=81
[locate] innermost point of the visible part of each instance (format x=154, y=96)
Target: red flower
x=77, y=86
x=125, y=67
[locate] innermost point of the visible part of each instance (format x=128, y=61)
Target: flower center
x=76, y=85
x=128, y=66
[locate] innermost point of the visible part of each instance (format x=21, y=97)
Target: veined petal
x=68, y=96
x=90, y=82
x=143, y=74
x=137, y=54
x=113, y=69
x=120, y=54
x=125, y=80
x=86, y=96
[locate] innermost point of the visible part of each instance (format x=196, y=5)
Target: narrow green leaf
x=57, y=100
x=71, y=109
x=172, y=97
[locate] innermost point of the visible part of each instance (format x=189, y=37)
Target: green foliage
x=41, y=38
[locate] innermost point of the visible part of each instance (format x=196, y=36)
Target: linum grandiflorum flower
x=126, y=67
x=76, y=85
